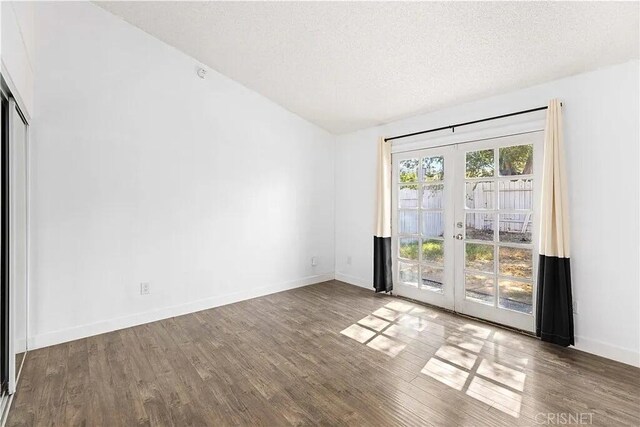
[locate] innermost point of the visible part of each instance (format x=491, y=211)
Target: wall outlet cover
x=145, y=288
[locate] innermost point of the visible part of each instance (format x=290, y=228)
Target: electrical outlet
x=145, y=288
x=349, y=260
x=314, y=261
x=575, y=307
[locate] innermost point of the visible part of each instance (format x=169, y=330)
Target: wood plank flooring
x=329, y=354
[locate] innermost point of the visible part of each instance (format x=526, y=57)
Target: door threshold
x=466, y=316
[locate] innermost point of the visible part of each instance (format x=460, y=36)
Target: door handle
x=458, y=236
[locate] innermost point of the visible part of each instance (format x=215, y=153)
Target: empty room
x=319, y=213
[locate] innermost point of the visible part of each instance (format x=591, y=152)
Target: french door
x=422, y=225
x=465, y=227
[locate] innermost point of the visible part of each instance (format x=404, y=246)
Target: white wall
x=143, y=172
x=17, y=51
x=601, y=112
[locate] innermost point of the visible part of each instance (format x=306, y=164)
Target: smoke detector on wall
x=202, y=73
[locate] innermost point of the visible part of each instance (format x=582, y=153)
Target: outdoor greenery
x=409, y=171
x=479, y=164
x=516, y=262
x=432, y=168
x=476, y=252
x=515, y=160
x=479, y=257
x=432, y=250
x=409, y=249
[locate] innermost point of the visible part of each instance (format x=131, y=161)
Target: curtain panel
x=554, y=320
x=382, y=269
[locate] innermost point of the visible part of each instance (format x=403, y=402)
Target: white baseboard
x=70, y=334
x=352, y=280
x=608, y=351
x=587, y=345
x=596, y=347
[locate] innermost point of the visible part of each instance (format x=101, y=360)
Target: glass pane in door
x=516, y=295
x=479, y=287
x=433, y=168
x=479, y=194
x=498, y=215
x=432, y=196
x=432, y=278
x=480, y=164
x=515, y=262
x=408, y=273
x=516, y=160
x=479, y=257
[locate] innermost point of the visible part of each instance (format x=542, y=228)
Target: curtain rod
x=452, y=127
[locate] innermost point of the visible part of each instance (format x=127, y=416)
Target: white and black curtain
x=382, y=275
x=554, y=322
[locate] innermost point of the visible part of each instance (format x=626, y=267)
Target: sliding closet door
x=13, y=247
x=18, y=240
x=4, y=255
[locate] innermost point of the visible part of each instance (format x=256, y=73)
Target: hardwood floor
x=330, y=354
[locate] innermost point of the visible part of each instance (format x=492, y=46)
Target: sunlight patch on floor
x=499, y=397
x=464, y=362
x=502, y=374
x=374, y=323
x=445, y=373
x=400, y=306
x=358, y=333
x=386, y=345
x=460, y=365
x=381, y=329
x=387, y=314
x=466, y=343
x=457, y=356
x=412, y=322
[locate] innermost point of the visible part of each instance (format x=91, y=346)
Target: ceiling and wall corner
x=351, y=65
x=17, y=47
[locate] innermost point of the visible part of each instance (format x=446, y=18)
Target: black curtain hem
x=554, y=320
x=554, y=339
x=382, y=275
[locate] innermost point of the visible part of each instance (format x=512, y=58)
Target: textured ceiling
x=351, y=65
